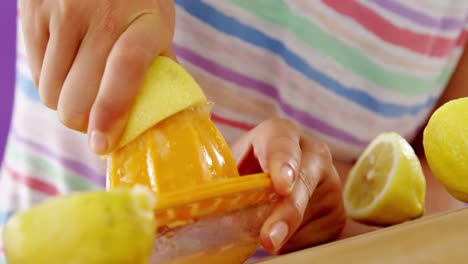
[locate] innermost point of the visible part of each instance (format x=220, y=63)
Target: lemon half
x=386, y=186
x=93, y=227
x=168, y=89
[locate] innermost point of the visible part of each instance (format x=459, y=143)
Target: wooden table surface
x=436, y=239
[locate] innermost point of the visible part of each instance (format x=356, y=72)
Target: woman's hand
x=311, y=210
x=88, y=58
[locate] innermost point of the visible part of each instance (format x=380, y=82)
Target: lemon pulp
x=386, y=185
x=371, y=175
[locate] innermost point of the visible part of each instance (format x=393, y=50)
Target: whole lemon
x=446, y=146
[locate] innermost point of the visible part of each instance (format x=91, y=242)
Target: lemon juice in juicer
x=205, y=211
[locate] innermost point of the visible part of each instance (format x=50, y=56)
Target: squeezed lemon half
x=386, y=186
x=168, y=88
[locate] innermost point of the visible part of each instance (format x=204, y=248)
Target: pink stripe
x=431, y=45
x=82, y=169
x=232, y=123
x=32, y=182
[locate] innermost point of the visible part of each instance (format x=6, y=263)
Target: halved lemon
x=94, y=227
x=386, y=186
x=168, y=88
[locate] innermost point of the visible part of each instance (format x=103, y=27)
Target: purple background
x=7, y=66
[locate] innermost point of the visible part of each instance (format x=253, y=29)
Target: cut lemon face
x=386, y=185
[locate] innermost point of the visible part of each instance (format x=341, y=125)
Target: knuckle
x=281, y=122
x=72, y=120
x=66, y=11
x=34, y=4
x=298, y=207
x=110, y=109
x=48, y=100
x=310, y=181
x=291, y=124
x=128, y=55
x=24, y=7
x=110, y=22
x=31, y=13
x=287, y=140
x=322, y=149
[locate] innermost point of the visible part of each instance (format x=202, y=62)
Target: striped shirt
x=345, y=70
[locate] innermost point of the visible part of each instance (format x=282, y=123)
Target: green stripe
x=278, y=13
x=54, y=173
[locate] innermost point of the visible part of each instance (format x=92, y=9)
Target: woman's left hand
x=310, y=211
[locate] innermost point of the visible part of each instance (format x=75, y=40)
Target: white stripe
x=303, y=49
x=257, y=63
x=439, y=8
x=40, y=124
x=371, y=40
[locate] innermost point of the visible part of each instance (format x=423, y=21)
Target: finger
x=283, y=157
x=125, y=71
x=288, y=214
x=35, y=33
x=275, y=146
x=278, y=145
x=82, y=83
x=324, y=217
x=65, y=38
x=322, y=230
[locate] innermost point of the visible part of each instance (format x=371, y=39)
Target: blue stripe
x=4, y=216
x=235, y=28
x=27, y=86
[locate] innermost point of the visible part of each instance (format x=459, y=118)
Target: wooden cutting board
x=436, y=239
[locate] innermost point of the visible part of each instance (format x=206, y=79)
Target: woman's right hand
x=88, y=58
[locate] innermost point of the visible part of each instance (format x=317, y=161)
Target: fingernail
x=288, y=174
x=98, y=142
x=278, y=233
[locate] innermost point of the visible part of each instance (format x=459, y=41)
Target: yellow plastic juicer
x=205, y=211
